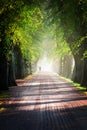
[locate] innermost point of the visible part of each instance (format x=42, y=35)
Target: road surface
x=44, y=102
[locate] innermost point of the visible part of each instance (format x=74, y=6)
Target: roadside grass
x=81, y=88
x=24, y=79
x=3, y=97
x=77, y=85
x=28, y=77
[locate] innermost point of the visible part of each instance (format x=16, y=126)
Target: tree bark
x=18, y=62
x=11, y=79
x=84, y=76
x=4, y=68
x=78, y=69
x=66, y=66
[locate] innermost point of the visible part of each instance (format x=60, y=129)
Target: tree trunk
x=11, y=74
x=78, y=70
x=30, y=68
x=67, y=66
x=18, y=62
x=60, y=66
x=4, y=67
x=84, y=76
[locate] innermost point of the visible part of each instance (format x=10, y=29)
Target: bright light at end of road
x=44, y=65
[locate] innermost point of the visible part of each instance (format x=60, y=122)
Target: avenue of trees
x=20, y=26
x=24, y=23
x=70, y=20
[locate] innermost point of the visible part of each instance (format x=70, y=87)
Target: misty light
x=44, y=64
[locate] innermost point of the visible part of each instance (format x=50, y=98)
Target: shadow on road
x=45, y=119
x=44, y=102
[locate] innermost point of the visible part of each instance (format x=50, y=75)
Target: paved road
x=44, y=102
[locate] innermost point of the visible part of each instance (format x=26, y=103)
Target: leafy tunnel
x=43, y=35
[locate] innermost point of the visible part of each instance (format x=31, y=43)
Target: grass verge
x=24, y=79
x=77, y=85
x=3, y=97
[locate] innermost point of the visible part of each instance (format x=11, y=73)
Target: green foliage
x=85, y=55
x=71, y=16
x=19, y=22
x=77, y=85
x=9, y=12
x=30, y=22
x=56, y=45
x=3, y=96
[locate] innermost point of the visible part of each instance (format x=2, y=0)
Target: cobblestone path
x=44, y=102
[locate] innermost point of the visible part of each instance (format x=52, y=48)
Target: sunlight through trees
x=31, y=29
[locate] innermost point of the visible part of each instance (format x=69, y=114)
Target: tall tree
x=8, y=17
x=13, y=32
x=72, y=13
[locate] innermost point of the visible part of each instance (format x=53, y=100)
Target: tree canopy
x=55, y=27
